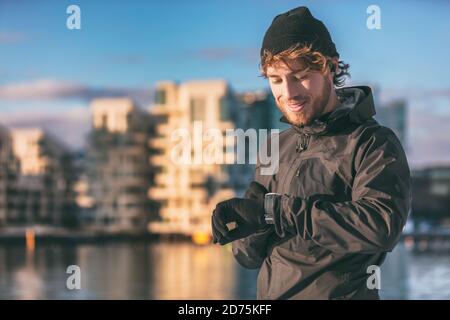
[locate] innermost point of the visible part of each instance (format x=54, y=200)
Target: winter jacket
x=345, y=186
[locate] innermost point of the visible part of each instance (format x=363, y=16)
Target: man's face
x=301, y=95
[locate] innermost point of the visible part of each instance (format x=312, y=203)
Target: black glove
x=246, y=214
x=256, y=191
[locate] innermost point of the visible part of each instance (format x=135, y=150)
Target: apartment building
x=43, y=188
x=8, y=175
x=118, y=173
x=189, y=186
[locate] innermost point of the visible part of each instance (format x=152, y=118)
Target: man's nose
x=292, y=89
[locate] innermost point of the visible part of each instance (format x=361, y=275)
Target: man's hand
x=256, y=191
x=245, y=215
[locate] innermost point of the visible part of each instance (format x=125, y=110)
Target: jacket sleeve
x=251, y=251
x=374, y=219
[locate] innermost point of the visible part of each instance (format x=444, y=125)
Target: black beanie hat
x=298, y=26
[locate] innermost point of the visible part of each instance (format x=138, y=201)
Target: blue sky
x=126, y=46
x=136, y=43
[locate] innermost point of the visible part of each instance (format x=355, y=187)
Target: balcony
x=159, y=110
x=163, y=130
x=163, y=193
x=158, y=160
x=158, y=143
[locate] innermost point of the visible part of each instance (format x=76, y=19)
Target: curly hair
x=313, y=60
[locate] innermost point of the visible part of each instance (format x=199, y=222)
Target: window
x=160, y=96
x=224, y=106
x=129, y=120
x=198, y=109
x=104, y=124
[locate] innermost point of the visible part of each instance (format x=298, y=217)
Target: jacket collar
x=356, y=105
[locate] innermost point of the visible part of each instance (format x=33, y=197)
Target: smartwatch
x=270, y=205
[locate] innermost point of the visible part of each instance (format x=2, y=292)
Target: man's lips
x=296, y=107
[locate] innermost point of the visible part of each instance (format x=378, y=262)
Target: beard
x=314, y=107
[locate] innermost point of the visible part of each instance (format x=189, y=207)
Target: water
x=181, y=271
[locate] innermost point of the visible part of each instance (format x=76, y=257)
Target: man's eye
x=303, y=77
x=275, y=81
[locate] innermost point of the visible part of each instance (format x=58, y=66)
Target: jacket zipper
x=302, y=145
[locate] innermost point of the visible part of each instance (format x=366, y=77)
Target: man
x=341, y=196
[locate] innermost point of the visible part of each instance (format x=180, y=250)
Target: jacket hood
x=356, y=106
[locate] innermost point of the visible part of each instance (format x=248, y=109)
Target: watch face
x=269, y=202
x=269, y=219
x=269, y=206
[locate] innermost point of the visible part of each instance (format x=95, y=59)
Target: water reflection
x=181, y=271
x=395, y=274
x=124, y=271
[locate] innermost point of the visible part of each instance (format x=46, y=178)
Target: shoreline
x=420, y=242
x=76, y=237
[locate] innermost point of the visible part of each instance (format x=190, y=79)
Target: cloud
x=70, y=126
x=127, y=59
x=45, y=103
x=428, y=132
x=214, y=54
x=221, y=54
x=49, y=89
x=41, y=89
x=414, y=94
x=444, y=93
x=429, y=138
x=11, y=37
